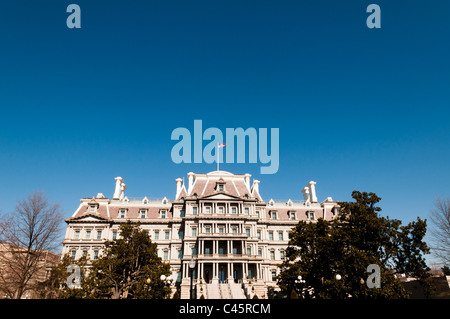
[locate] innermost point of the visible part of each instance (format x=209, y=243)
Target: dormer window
x=92, y=208
x=142, y=213
x=310, y=215
x=122, y=213
x=220, y=185
x=163, y=214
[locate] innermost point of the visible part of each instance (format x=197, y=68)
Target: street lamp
x=192, y=263
x=299, y=280
x=341, y=295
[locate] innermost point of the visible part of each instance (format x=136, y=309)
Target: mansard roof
x=205, y=184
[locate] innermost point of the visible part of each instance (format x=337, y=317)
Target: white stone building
x=219, y=220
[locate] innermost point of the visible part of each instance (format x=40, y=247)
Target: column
x=231, y=272
x=257, y=271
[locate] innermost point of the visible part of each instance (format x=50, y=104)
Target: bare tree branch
x=440, y=232
x=26, y=235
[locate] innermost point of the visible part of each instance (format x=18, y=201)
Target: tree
x=128, y=268
x=55, y=287
x=26, y=235
x=440, y=232
x=332, y=256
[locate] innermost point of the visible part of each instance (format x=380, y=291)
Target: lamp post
x=299, y=280
x=338, y=278
x=192, y=264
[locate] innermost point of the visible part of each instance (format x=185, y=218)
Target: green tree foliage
x=346, y=245
x=55, y=287
x=128, y=268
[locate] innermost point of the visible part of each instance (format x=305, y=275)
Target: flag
x=221, y=145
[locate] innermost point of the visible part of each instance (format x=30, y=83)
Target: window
x=257, y=213
x=77, y=234
x=274, y=275
x=194, y=251
x=88, y=234
x=272, y=255
x=233, y=210
x=182, y=213
x=208, y=229
x=234, y=230
x=249, y=251
x=156, y=234
x=258, y=233
x=194, y=210
x=92, y=209
x=274, y=215
x=194, y=231
x=311, y=215
x=246, y=210
x=221, y=230
x=220, y=210
x=180, y=234
x=207, y=210
x=280, y=235
x=166, y=255
x=163, y=214
x=259, y=252
x=74, y=254
x=95, y=254
x=166, y=235
x=270, y=235
x=247, y=231
x=220, y=188
x=122, y=213
x=99, y=234
x=114, y=234
x=142, y=213
x=180, y=254
x=84, y=252
x=282, y=256
x=292, y=216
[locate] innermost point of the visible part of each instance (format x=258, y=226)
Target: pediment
x=87, y=218
x=220, y=196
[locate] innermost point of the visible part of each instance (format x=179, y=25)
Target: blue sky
x=357, y=108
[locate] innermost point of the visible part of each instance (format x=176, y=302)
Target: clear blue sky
x=357, y=108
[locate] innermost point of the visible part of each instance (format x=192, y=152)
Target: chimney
x=119, y=182
x=191, y=181
x=247, y=180
x=306, y=195
x=179, y=182
x=312, y=191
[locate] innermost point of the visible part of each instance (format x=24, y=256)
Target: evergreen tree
x=332, y=256
x=128, y=268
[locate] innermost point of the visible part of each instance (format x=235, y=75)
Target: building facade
x=218, y=231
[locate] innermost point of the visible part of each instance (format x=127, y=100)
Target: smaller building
x=12, y=265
